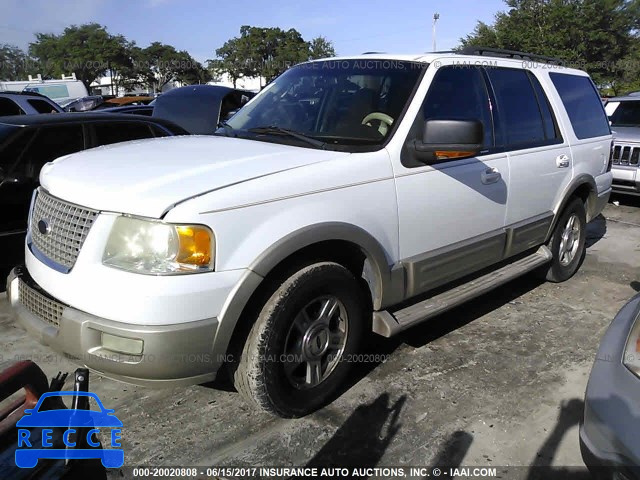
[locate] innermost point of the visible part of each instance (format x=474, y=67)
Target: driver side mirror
x=449, y=140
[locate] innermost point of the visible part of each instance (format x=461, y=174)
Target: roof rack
x=372, y=53
x=501, y=52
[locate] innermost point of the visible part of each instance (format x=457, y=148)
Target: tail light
x=610, y=163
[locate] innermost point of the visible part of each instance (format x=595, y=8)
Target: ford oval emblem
x=43, y=227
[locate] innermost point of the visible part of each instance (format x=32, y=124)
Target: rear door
x=589, y=132
x=540, y=163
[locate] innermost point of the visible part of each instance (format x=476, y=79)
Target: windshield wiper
x=274, y=130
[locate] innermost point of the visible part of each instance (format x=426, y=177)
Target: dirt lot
x=497, y=382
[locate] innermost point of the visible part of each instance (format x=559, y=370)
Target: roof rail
x=501, y=52
x=372, y=53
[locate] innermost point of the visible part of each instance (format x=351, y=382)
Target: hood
x=148, y=177
x=626, y=134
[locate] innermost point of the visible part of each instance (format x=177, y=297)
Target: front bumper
x=609, y=431
x=168, y=354
x=626, y=180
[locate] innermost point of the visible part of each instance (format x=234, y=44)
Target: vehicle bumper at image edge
x=608, y=432
x=176, y=354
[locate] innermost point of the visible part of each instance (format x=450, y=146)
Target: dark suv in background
x=27, y=142
x=26, y=103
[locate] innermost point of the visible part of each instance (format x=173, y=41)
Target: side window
x=582, y=103
x=551, y=130
x=108, y=133
x=459, y=93
x=49, y=144
x=42, y=106
x=518, y=107
x=11, y=154
x=9, y=107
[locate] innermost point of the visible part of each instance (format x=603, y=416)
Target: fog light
x=121, y=344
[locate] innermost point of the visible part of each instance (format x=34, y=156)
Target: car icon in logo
x=72, y=423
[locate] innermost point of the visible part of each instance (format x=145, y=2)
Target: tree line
x=599, y=36
x=91, y=52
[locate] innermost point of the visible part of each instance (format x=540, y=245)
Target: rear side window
x=582, y=103
x=108, y=133
x=459, y=93
x=9, y=107
x=518, y=107
x=42, y=106
x=551, y=130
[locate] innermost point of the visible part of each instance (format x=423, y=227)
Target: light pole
x=436, y=16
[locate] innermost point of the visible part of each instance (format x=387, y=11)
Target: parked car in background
x=200, y=108
x=60, y=91
x=20, y=103
x=351, y=195
x=625, y=123
x=146, y=110
x=127, y=100
x=609, y=430
x=83, y=104
x=610, y=106
x=28, y=142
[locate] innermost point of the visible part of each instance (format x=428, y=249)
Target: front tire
x=298, y=351
x=567, y=243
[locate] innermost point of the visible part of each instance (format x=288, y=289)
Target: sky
x=201, y=26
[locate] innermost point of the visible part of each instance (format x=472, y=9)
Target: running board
x=388, y=323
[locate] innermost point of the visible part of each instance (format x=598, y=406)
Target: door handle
x=563, y=161
x=490, y=175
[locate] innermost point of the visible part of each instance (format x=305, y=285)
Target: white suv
x=351, y=195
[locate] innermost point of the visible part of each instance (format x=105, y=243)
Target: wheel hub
x=570, y=240
x=316, y=342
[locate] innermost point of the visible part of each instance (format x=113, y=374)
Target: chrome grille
x=626, y=155
x=68, y=227
x=38, y=304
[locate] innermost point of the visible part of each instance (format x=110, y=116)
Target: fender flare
x=577, y=182
x=386, y=281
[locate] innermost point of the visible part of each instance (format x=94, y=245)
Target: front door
x=452, y=213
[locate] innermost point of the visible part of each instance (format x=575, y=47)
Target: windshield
x=626, y=115
x=345, y=102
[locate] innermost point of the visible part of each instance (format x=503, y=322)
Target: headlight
x=158, y=248
x=631, y=358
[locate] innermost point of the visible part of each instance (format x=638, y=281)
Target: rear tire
x=567, y=242
x=298, y=352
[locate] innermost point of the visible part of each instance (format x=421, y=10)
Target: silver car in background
x=625, y=123
x=610, y=431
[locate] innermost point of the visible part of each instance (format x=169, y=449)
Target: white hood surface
x=147, y=177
